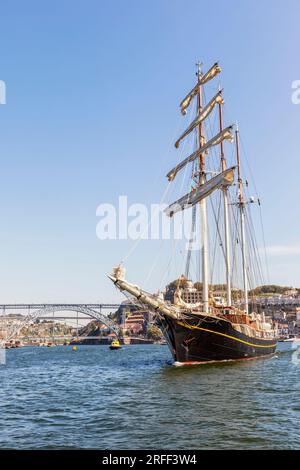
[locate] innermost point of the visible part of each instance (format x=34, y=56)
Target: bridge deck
x=40, y=306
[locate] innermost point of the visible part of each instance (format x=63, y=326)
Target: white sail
x=226, y=134
x=209, y=75
x=202, y=116
x=226, y=178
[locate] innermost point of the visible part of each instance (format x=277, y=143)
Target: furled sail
x=202, y=116
x=225, y=178
x=209, y=75
x=225, y=134
x=142, y=296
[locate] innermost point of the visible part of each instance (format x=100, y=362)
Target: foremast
x=200, y=154
x=203, y=207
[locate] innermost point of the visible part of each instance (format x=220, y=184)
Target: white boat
x=288, y=344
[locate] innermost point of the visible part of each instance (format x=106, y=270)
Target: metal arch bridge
x=34, y=311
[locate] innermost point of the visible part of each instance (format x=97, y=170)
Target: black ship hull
x=202, y=339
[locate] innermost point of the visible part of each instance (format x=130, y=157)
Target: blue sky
x=93, y=89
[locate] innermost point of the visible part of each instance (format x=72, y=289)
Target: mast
x=203, y=208
x=226, y=215
x=241, y=204
x=191, y=240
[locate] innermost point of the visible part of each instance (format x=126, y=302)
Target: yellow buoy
x=74, y=348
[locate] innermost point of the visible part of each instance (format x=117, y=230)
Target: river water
x=134, y=398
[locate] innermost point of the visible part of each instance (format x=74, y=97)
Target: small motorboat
x=115, y=344
x=291, y=342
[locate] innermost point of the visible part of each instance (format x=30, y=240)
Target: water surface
x=56, y=398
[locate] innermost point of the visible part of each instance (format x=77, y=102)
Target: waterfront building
x=188, y=292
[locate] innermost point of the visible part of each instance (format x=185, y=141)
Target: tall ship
x=206, y=328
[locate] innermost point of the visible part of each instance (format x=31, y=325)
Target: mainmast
x=203, y=207
x=241, y=204
x=226, y=214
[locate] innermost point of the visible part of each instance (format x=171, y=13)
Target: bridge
x=34, y=311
